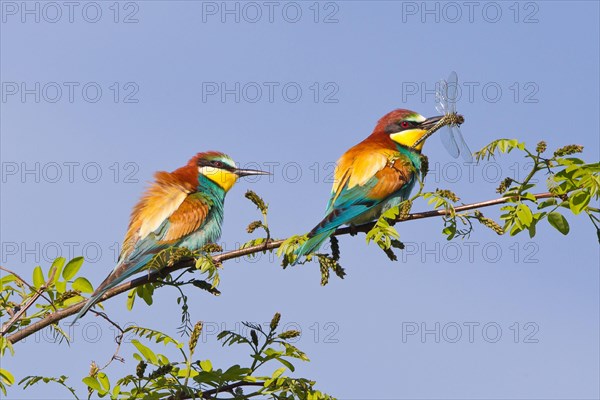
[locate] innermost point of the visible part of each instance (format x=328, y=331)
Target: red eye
x=404, y=124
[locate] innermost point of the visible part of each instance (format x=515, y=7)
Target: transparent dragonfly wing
x=462, y=147
x=445, y=103
x=452, y=92
x=448, y=140
x=441, y=99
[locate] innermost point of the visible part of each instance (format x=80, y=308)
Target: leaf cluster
x=157, y=376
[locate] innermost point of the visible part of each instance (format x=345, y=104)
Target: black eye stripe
x=215, y=164
x=400, y=126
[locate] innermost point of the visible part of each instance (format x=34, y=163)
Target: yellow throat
x=222, y=177
x=409, y=137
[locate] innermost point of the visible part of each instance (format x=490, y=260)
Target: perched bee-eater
x=373, y=176
x=183, y=208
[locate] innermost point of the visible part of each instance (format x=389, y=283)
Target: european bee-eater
x=373, y=176
x=183, y=208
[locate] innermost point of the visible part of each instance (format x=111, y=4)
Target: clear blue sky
x=168, y=90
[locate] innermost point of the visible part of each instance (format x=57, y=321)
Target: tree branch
x=228, y=388
x=274, y=244
x=225, y=389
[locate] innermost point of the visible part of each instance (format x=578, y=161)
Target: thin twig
x=274, y=244
x=118, y=339
x=31, y=287
x=29, y=303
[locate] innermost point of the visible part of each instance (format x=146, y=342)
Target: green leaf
x=104, y=381
x=579, y=201
x=93, y=383
x=6, y=279
x=38, y=277
x=73, y=300
x=559, y=222
x=569, y=161
x=130, y=299
x=532, y=230
x=6, y=377
x=116, y=391
x=449, y=231
x=58, y=263
x=59, y=331
x=547, y=203
x=83, y=285
x=152, y=334
x=516, y=228
x=503, y=145
x=204, y=264
x=72, y=268
x=61, y=286
x=529, y=196
x=162, y=360
x=524, y=214
x=278, y=373
x=6, y=344
x=146, y=352
x=145, y=292
x=286, y=363
x=206, y=365
x=185, y=373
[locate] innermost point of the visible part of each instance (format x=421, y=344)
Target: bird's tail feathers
x=90, y=303
x=313, y=243
x=323, y=230
x=121, y=272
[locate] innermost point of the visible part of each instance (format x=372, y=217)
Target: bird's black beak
x=247, y=172
x=430, y=122
x=430, y=125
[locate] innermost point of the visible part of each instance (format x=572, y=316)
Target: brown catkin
x=541, y=147
x=275, y=321
x=568, y=150
x=490, y=223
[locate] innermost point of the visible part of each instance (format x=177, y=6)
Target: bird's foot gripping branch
x=556, y=184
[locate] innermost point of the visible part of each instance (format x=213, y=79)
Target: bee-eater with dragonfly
x=381, y=171
x=183, y=208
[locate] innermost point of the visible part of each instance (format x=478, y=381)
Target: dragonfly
x=451, y=136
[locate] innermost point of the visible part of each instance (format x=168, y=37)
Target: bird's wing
x=355, y=168
x=190, y=216
x=160, y=201
x=364, y=183
x=392, y=178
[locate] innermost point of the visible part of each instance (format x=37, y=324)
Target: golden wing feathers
x=157, y=204
x=188, y=218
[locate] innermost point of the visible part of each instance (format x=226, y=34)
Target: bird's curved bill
x=246, y=172
x=431, y=125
